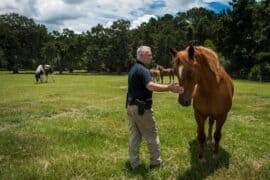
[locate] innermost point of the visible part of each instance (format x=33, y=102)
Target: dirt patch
x=44, y=164
x=54, y=95
x=66, y=113
x=257, y=165
x=263, y=103
x=4, y=158
x=245, y=118
x=112, y=99
x=250, y=118
x=123, y=87
x=6, y=127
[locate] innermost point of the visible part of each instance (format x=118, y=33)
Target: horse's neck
x=206, y=81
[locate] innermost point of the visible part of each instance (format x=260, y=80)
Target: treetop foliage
x=241, y=37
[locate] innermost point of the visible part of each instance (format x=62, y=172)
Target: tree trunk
x=15, y=70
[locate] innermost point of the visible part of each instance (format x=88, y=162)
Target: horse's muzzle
x=184, y=101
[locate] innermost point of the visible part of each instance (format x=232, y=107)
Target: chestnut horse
x=200, y=73
x=165, y=72
x=155, y=73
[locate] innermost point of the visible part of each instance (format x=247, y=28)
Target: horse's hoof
x=215, y=156
x=202, y=160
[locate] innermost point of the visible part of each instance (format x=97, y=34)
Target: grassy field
x=76, y=127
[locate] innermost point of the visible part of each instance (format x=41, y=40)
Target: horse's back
x=39, y=69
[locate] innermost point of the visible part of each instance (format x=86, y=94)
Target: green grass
x=77, y=128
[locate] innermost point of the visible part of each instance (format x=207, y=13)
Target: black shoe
x=130, y=168
x=160, y=165
x=137, y=167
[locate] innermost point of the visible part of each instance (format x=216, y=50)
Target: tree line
x=240, y=35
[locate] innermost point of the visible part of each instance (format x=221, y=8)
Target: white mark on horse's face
x=180, y=71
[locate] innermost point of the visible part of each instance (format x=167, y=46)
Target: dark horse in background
x=203, y=78
x=165, y=72
x=43, y=70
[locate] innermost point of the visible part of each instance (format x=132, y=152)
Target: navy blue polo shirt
x=138, y=77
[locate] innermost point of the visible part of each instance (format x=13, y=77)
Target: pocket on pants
x=131, y=110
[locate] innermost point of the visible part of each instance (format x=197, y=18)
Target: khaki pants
x=142, y=126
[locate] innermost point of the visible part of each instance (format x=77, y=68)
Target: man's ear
x=191, y=52
x=173, y=51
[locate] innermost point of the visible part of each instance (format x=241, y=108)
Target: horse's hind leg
x=209, y=138
x=46, y=76
x=36, y=79
x=201, y=135
x=217, y=135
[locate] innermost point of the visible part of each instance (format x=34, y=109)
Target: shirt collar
x=140, y=62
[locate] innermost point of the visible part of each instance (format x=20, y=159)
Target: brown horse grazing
x=199, y=72
x=166, y=72
x=155, y=73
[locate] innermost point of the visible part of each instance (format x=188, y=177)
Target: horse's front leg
x=209, y=138
x=41, y=78
x=37, y=77
x=46, y=78
x=200, y=133
x=217, y=135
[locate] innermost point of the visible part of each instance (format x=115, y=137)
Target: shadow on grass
x=142, y=170
x=21, y=146
x=200, y=170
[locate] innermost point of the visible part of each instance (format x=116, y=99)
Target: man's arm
x=151, y=86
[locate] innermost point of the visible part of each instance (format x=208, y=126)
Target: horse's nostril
x=184, y=101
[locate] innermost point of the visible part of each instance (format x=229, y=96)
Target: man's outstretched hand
x=175, y=88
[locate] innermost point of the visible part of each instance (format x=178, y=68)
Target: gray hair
x=141, y=50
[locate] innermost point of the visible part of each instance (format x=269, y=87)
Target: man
x=139, y=103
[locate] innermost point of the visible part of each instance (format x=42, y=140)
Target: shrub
x=260, y=72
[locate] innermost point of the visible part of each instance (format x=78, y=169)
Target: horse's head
x=159, y=67
x=48, y=68
x=183, y=64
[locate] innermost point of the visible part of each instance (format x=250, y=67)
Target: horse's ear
x=191, y=52
x=173, y=51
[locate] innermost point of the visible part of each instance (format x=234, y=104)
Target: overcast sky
x=82, y=15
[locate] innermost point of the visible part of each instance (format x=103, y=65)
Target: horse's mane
x=209, y=57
